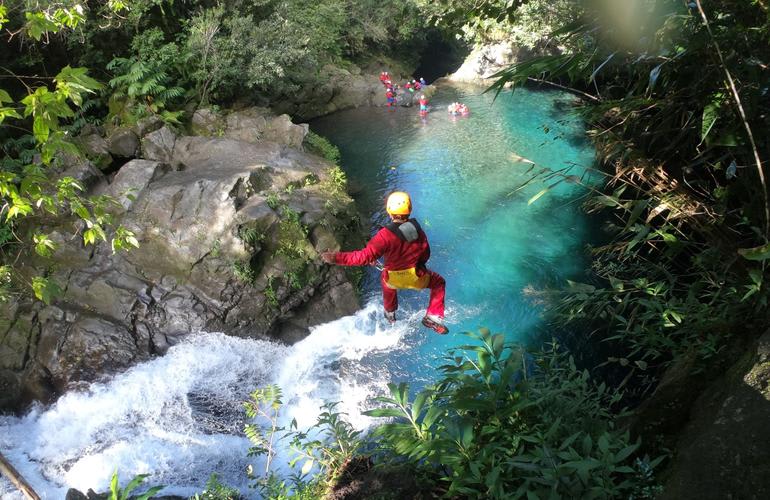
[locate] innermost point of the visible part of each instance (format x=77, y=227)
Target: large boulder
x=123, y=142
x=132, y=178
x=159, y=145
x=260, y=125
x=95, y=147
x=207, y=122
x=211, y=258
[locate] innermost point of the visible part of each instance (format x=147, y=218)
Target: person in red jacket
x=406, y=250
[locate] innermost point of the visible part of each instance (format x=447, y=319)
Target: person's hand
x=329, y=257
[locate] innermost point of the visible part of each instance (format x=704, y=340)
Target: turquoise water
x=486, y=240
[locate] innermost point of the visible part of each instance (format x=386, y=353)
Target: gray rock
x=85, y=173
x=147, y=125
x=207, y=122
x=132, y=179
x=96, y=149
x=281, y=130
x=84, y=349
x=194, y=225
x=123, y=142
x=159, y=145
x=247, y=125
x=10, y=389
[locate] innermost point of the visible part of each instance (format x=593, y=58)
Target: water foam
x=179, y=417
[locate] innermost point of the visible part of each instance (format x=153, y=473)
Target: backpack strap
x=407, y=231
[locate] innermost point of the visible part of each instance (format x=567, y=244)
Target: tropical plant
x=215, y=490
x=32, y=195
x=666, y=101
x=502, y=423
x=325, y=447
x=125, y=493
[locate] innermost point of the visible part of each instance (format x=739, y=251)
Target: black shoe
x=435, y=326
x=390, y=316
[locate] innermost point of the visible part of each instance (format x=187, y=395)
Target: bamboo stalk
x=7, y=470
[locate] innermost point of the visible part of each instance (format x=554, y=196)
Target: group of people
x=458, y=108
x=391, y=91
x=391, y=95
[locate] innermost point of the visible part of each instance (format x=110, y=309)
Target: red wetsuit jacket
x=399, y=254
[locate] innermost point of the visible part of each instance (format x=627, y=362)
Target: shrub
x=504, y=424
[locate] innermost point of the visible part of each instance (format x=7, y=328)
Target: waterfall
x=179, y=417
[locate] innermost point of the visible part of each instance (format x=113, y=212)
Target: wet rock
x=85, y=349
x=10, y=388
x=202, y=230
x=123, y=142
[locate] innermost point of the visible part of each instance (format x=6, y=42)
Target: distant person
x=406, y=251
x=417, y=85
x=422, y=82
x=390, y=96
x=423, y=105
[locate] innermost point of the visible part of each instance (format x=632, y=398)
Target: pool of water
x=465, y=177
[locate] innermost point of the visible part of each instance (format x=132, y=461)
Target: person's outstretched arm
x=364, y=257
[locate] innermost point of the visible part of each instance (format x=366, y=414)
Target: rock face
x=342, y=89
x=230, y=229
x=723, y=451
x=486, y=60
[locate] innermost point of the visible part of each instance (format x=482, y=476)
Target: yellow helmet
x=399, y=204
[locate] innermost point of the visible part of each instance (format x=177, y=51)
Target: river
x=179, y=417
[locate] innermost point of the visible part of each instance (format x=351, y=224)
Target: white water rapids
x=179, y=417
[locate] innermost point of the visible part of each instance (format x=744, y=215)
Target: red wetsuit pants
x=437, y=286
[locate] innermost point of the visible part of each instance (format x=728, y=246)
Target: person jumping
x=405, y=247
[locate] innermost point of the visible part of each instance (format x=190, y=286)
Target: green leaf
x=538, y=195
x=114, y=485
x=418, y=403
x=307, y=467
x=133, y=484
x=150, y=493
x=755, y=253
x=40, y=129
x=710, y=115
x=384, y=412
x=3, y=13
x=38, y=25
